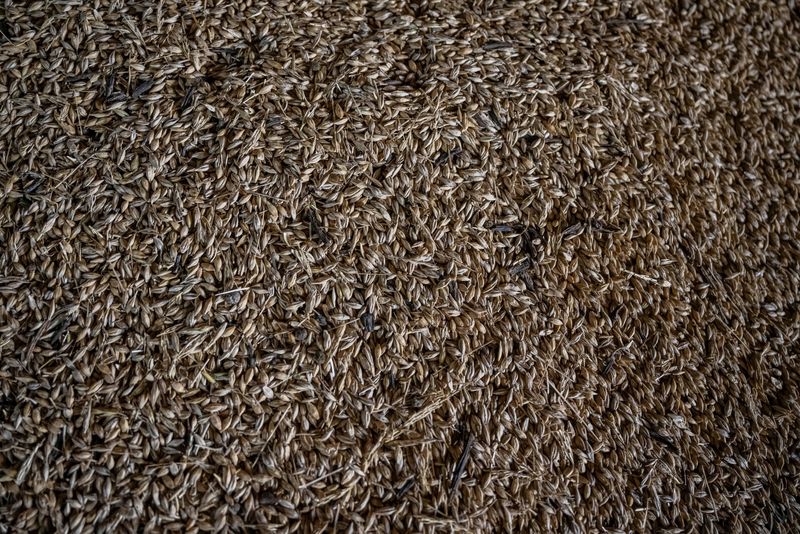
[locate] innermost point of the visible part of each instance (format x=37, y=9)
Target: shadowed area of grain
x=387, y=266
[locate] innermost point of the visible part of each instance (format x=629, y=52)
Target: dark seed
x=661, y=438
x=79, y=78
x=461, y=465
x=315, y=228
x=188, y=99
x=368, y=322
x=116, y=97
x=109, y=88
x=521, y=267
x=573, y=230
x=450, y=155
x=497, y=45
x=603, y=228
x=142, y=88
x=405, y=488
x=33, y=185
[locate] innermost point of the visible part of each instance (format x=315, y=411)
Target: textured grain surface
x=432, y=266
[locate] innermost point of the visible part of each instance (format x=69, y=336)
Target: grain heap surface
x=370, y=266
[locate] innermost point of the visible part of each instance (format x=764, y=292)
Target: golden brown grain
x=357, y=266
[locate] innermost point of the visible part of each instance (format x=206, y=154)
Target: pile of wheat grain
x=348, y=265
